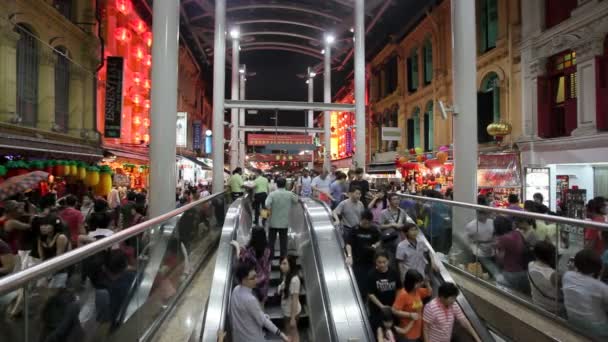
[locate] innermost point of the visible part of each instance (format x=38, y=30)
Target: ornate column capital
x=589, y=49
x=537, y=67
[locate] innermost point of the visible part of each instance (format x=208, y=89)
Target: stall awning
x=204, y=166
x=381, y=168
x=140, y=156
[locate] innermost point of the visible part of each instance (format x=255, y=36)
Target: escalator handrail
x=14, y=281
x=360, y=302
x=442, y=273
x=229, y=233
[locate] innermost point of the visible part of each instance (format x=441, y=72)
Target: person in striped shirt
x=440, y=313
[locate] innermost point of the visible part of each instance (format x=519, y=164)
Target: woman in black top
x=52, y=241
x=382, y=286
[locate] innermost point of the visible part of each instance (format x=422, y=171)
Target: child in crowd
x=289, y=291
x=388, y=332
x=409, y=303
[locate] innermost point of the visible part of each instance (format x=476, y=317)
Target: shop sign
x=197, y=135
x=181, y=130
x=391, y=134
x=259, y=157
x=121, y=180
x=272, y=139
x=113, y=100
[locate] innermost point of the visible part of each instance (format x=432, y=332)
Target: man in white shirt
x=304, y=185
x=320, y=186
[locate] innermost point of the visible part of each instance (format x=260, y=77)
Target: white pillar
x=165, y=29
x=219, y=79
x=327, y=114
x=242, y=142
x=464, y=57
x=360, y=82
x=586, y=90
x=311, y=116
x=234, y=113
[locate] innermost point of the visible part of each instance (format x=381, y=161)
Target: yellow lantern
x=499, y=129
x=73, y=168
x=81, y=171
x=105, y=181
x=92, y=177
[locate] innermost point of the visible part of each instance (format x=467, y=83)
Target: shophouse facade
x=565, y=95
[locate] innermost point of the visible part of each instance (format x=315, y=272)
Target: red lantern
x=432, y=163
x=147, y=37
x=412, y=151
x=147, y=84
x=122, y=34
x=124, y=6
x=139, y=52
x=136, y=99
x=138, y=25
x=147, y=104
x=409, y=166
x=146, y=138
x=147, y=61
x=136, y=120
x=146, y=122
x=137, y=78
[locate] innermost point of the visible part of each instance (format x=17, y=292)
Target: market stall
x=421, y=171
x=499, y=174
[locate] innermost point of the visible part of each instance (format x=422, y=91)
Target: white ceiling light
x=235, y=33
x=330, y=39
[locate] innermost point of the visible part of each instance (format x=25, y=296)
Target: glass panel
x=560, y=95
x=115, y=294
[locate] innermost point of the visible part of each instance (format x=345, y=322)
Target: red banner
x=268, y=139
x=258, y=157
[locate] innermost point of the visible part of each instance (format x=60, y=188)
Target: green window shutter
x=492, y=23
x=416, y=118
x=431, y=125
x=496, y=100
x=483, y=25
x=428, y=61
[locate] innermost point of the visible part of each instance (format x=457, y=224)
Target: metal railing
x=22, y=278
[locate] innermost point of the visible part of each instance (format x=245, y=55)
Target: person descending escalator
x=280, y=203
x=382, y=285
x=348, y=212
x=440, y=314
x=289, y=290
x=361, y=245
x=235, y=183
x=257, y=252
x=388, y=332
x=247, y=318
x=409, y=304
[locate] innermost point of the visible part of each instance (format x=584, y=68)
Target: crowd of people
x=531, y=258
x=35, y=228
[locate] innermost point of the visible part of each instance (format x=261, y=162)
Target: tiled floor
x=180, y=326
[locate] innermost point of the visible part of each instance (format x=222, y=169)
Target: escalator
x=332, y=308
x=438, y=278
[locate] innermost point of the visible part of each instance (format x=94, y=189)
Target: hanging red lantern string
x=138, y=25
x=147, y=37
x=139, y=52
x=122, y=35
x=124, y=6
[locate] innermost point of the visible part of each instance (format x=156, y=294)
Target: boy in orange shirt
x=408, y=304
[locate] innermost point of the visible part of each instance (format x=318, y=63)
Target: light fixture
x=208, y=133
x=307, y=81
x=323, y=51
x=330, y=39
x=352, y=30
x=312, y=74
x=235, y=33
x=241, y=71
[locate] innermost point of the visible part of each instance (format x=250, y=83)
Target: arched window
x=428, y=127
x=64, y=7
x=412, y=71
x=488, y=106
x=488, y=24
x=427, y=55
x=413, y=129
x=62, y=88
x=27, y=75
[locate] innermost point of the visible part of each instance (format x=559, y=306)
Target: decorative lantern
x=499, y=130
x=92, y=177
x=147, y=84
x=137, y=78
x=124, y=6
x=139, y=52
x=442, y=157
x=59, y=168
x=412, y=151
x=137, y=99
x=136, y=120
x=147, y=37
x=137, y=138
x=418, y=150
x=146, y=122
x=138, y=25
x=82, y=171
x=146, y=138
x=122, y=35
x=147, y=104
x=147, y=60
x=73, y=168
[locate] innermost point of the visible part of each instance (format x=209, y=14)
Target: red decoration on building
x=138, y=25
x=139, y=52
x=147, y=61
x=147, y=37
x=124, y=6
x=122, y=35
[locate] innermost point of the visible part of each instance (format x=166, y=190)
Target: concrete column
x=219, y=79
x=242, y=142
x=165, y=29
x=532, y=69
x=88, y=119
x=464, y=70
x=360, y=82
x=8, y=76
x=327, y=114
x=532, y=18
x=46, y=89
x=586, y=90
x=76, y=100
x=234, y=113
x=310, y=115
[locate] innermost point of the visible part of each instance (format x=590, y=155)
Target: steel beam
x=281, y=48
x=280, y=33
x=283, y=44
x=289, y=105
x=277, y=21
x=280, y=129
x=285, y=7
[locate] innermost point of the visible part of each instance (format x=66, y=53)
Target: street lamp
x=235, y=33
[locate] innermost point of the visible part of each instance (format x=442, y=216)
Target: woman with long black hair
x=258, y=253
x=289, y=290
